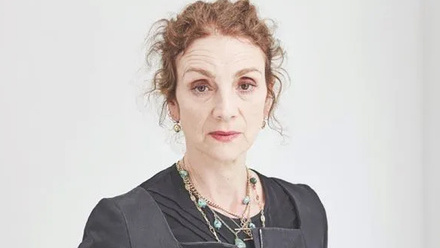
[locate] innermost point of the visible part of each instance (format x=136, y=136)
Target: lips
x=224, y=136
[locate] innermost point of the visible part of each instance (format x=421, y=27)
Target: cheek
x=255, y=115
x=193, y=117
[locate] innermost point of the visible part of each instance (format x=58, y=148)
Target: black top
x=134, y=219
x=187, y=223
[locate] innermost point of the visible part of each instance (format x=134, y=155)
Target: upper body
x=159, y=213
x=219, y=77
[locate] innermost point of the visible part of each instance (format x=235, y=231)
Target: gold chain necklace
x=245, y=201
x=193, y=198
x=202, y=202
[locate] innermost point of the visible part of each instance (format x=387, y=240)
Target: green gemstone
x=251, y=225
x=240, y=243
x=201, y=202
x=253, y=180
x=183, y=173
x=246, y=200
x=217, y=224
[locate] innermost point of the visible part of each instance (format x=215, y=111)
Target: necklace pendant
x=251, y=225
x=240, y=243
x=217, y=224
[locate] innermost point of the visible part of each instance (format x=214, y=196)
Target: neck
x=221, y=181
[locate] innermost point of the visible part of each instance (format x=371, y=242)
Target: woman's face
x=221, y=96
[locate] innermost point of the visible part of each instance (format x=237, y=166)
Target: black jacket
x=134, y=220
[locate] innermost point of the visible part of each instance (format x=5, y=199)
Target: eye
x=246, y=86
x=201, y=88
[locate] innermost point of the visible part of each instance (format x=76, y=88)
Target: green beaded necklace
x=203, y=203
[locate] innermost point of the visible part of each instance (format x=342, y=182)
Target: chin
x=226, y=152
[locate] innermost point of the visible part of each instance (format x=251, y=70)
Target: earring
x=177, y=127
x=263, y=125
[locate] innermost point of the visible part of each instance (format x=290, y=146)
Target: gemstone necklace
x=202, y=202
x=238, y=242
x=185, y=178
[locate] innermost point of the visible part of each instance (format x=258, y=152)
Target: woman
x=218, y=80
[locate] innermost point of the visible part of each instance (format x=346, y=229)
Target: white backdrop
x=431, y=122
x=360, y=118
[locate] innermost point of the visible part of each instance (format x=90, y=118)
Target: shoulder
x=124, y=208
x=116, y=221
x=304, y=196
x=110, y=221
x=299, y=190
x=309, y=208
x=140, y=195
x=165, y=176
x=306, y=200
x=131, y=203
x=313, y=217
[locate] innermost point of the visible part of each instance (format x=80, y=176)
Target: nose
x=225, y=105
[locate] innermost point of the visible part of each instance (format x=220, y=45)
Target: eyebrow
x=247, y=70
x=210, y=75
x=199, y=70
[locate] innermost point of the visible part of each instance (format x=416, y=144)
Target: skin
x=221, y=86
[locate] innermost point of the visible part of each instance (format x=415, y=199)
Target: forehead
x=219, y=51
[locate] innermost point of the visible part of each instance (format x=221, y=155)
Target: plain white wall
x=431, y=122
x=72, y=130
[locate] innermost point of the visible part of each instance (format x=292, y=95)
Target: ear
x=173, y=108
x=269, y=101
x=267, y=106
